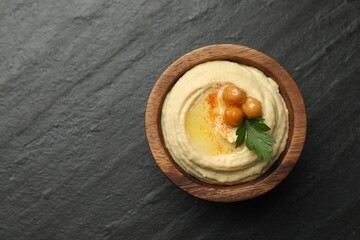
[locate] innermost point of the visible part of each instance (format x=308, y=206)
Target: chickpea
x=252, y=108
x=233, y=95
x=233, y=116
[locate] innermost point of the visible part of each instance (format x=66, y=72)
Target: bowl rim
x=224, y=193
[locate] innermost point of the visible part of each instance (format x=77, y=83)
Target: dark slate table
x=74, y=81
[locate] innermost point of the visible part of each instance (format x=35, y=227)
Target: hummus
x=195, y=135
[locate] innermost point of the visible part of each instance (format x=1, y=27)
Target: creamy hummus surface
x=194, y=132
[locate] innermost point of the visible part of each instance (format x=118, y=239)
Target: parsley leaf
x=259, y=124
x=256, y=138
x=240, y=132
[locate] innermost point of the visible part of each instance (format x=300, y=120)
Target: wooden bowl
x=221, y=193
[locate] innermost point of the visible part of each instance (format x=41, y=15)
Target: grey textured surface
x=74, y=81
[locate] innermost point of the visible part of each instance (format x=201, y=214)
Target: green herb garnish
x=256, y=138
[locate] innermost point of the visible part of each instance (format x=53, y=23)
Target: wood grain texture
x=289, y=91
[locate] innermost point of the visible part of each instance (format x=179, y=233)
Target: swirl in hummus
x=194, y=132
